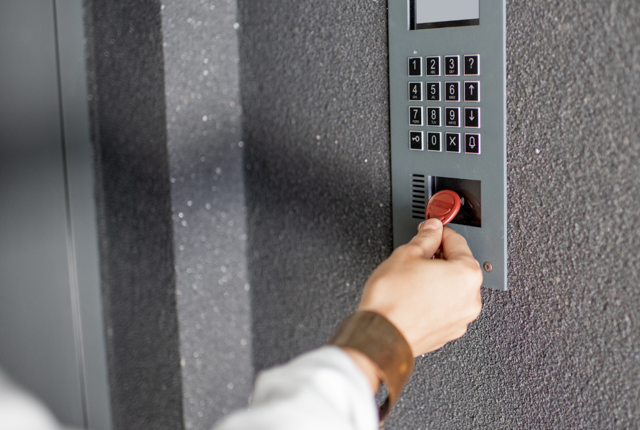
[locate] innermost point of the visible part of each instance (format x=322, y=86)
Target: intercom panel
x=447, y=76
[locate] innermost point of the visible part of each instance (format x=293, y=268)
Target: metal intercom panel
x=447, y=75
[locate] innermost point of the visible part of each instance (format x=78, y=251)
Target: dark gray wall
x=134, y=211
x=560, y=350
x=557, y=351
x=315, y=100
x=166, y=124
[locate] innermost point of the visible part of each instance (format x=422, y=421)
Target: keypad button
x=415, y=66
x=433, y=66
x=452, y=142
x=472, y=65
x=452, y=117
x=472, y=91
x=472, y=117
x=433, y=142
x=452, y=91
x=433, y=91
x=433, y=116
x=451, y=65
x=472, y=143
x=416, y=142
x=415, y=115
x=415, y=91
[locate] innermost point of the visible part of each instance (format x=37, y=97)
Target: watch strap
x=377, y=338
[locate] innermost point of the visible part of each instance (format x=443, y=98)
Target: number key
x=415, y=66
x=433, y=142
x=415, y=115
x=415, y=91
x=452, y=91
x=433, y=66
x=451, y=64
x=452, y=117
x=433, y=91
x=433, y=116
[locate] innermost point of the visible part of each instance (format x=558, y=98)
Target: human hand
x=431, y=301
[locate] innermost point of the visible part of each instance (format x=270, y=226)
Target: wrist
x=375, y=337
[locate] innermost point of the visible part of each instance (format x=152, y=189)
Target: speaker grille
x=418, y=196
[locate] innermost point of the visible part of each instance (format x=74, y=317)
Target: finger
x=429, y=236
x=454, y=246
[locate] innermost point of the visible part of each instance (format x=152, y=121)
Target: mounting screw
x=487, y=267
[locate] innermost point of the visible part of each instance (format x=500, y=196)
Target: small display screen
x=424, y=14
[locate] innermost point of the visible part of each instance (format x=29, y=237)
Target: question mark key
x=472, y=65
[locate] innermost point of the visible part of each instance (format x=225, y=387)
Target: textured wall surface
x=315, y=102
x=167, y=131
x=205, y=153
x=560, y=350
x=134, y=213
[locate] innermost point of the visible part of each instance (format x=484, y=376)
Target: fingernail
x=430, y=224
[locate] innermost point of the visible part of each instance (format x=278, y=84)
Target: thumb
x=429, y=236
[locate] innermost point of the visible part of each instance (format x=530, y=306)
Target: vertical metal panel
x=82, y=211
x=37, y=345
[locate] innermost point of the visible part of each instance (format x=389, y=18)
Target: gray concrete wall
x=557, y=351
x=205, y=162
x=167, y=131
x=560, y=350
x=133, y=189
x=315, y=99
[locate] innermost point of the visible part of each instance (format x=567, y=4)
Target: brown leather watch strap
x=377, y=338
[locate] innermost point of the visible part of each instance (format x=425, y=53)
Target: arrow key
x=472, y=117
x=472, y=91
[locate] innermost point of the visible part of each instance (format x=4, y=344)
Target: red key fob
x=443, y=205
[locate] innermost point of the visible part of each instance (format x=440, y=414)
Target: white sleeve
x=322, y=390
x=21, y=411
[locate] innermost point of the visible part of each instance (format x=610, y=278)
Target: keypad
x=443, y=99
